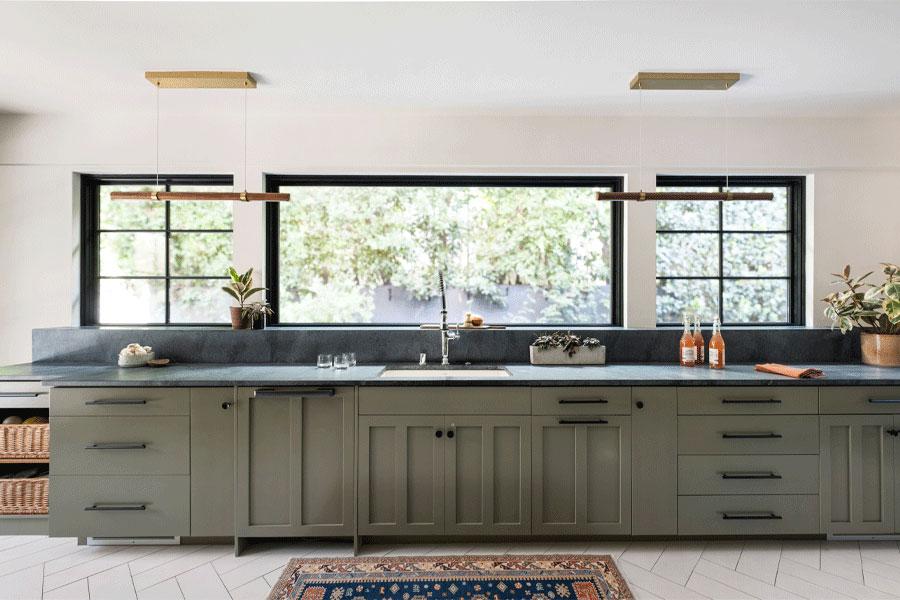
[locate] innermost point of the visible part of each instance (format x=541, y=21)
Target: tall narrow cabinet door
x=857, y=474
x=401, y=475
x=295, y=462
x=895, y=436
x=326, y=444
x=212, y=462
x=581, y=470
x=488, y=475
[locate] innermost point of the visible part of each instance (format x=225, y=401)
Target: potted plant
x=560, y=348
x=876, y=311
x=240, y=288
x=256, y=313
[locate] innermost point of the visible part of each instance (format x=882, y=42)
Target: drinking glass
x=341, y=361
x=352, y=359
x=324, y=361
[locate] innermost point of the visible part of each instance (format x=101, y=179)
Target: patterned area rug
x=508, y=577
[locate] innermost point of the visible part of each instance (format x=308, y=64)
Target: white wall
x=855, y=164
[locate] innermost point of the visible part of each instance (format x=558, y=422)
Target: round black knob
x=438, y=433
x=639, y=404
x=226, y=405
x=450, y=434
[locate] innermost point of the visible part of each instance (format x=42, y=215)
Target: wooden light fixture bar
x=685, y=196
x=202, y=196
x=684, y=81
x=200, y=80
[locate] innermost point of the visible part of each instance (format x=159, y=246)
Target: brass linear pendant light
x=197, y=80
x=682, y=81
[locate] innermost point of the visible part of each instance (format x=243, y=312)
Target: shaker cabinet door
x=581, y=475
x=295, y=462
x=488, y=475
x=401, y=475
x=857, y=474
x=212, y=462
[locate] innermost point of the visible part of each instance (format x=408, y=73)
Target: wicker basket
x=24, y=496
x=25, y=442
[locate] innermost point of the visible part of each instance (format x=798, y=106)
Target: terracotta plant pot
x=236, y=321
x=880, y=349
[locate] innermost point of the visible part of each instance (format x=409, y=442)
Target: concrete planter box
x=558, y=356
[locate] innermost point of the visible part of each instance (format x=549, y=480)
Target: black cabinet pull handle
x=115, y=507
x=583, y=422
x=763, y=435
x=112, y=402
x=227, y=405
x=450, y=433
x=750, y=401
x=761, y=475
x=438, y=433
x=116, y=446
x=583, y=401
x=884, y=401
x=893, y=432
x=302, y=392
x=750, y=516
x=22, y=394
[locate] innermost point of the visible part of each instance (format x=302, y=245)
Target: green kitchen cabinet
x=212, y=462
x=857, y=474
x=294, y=467
x=444, y=474
x=581, y=469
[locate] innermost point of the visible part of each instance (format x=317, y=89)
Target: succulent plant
x=569, y=342
x=241, y=286
x=876, y=309
x=256, y=310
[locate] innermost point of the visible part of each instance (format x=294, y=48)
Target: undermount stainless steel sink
x=455, y=371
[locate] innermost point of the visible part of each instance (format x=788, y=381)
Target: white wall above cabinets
x=855, y=161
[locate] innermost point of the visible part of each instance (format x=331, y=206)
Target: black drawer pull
x=115, y=507
x=113, y=402
x=762, y=435
x=583, y=422
x=22, y=394
x=583, y=401
x=750, y=401
x=893, y=432
x=751, y=475
x=884, y=401
x=116, y=446
x=303, y=393
x=767, y=516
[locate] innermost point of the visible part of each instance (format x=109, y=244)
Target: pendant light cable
x=157, y=136
x=245, y=139
x=641, y=138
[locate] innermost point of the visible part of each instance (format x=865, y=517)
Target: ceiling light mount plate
x=646, y=80
x=200, y=80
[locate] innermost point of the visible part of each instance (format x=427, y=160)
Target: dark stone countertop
x=213, y=375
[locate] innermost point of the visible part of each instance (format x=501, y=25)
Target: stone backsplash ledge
x=377, y=345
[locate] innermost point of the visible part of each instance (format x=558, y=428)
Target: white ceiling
x=797, y=58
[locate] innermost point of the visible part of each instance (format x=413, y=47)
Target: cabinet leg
x=356, y=545
x=240, y=544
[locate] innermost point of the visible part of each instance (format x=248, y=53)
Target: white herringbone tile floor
x=36, y=567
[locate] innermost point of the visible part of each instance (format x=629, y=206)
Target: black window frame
x=796, y=231
x=89, y=300
x=615, y=183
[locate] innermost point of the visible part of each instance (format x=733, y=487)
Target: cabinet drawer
x=769, y=400
x=737, y=474
x=748, y=435
x=748, y=515
x=77, y=402
x=89, y=506
x=120, y=446
x=424, y=400
x=581, y=401
x=859, y=400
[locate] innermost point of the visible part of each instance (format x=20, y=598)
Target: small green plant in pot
x=257, y=313
x=875, y=309
x=241, y=288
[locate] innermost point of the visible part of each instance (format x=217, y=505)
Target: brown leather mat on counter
x=795, y=372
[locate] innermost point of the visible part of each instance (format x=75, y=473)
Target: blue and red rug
x=509, y=577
